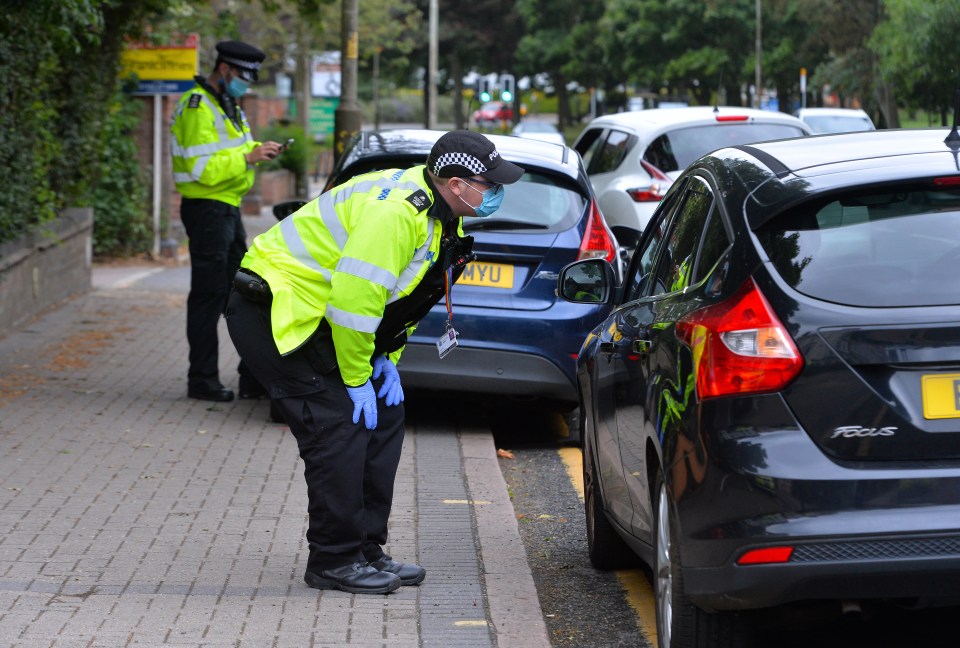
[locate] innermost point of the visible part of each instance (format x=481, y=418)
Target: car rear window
x=677, y=149
x=540, y=201
x=876, y=249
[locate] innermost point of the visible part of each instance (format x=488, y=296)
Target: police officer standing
x=322, y=308
x=214, y=155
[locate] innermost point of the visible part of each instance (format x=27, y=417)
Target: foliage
x=121, y=224
x=59, y=61
x=917, y=45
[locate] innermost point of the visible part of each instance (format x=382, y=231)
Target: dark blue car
x=516, y=338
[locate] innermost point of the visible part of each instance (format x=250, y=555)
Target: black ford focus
x=771, y=412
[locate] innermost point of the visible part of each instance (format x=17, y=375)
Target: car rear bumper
x=878, y=567
x=858, y=530
x=486, y=371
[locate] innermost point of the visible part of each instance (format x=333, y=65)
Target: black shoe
x=358, y=578
x=219, y=394
x=409, y=573
x=250, y=389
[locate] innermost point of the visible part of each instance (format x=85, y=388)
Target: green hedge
x=64, y=127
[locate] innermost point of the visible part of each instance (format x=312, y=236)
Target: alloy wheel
x=664, y=574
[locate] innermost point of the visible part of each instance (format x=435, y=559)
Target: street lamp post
x=347, y=120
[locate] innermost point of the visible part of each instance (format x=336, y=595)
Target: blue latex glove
x=364, y=400
x=391, y=380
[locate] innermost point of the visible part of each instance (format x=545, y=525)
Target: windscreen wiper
x=487, y=224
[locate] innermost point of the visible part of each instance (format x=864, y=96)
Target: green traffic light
x=484, y=96
x=506, y=95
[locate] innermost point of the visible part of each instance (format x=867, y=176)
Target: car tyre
x=606, y=548
x=680, y=623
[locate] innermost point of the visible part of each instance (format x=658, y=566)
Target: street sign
x=162, y=69
x=325, y=75
x=322, y=114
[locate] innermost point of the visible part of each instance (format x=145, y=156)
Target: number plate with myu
x=491, y=275
x=941, y=395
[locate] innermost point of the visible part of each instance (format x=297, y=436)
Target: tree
x=916, y=45
x=843, y=29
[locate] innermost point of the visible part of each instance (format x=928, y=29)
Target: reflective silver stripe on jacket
x=368, y=271
x=298, y=250
x=416, y=265
x=362, y=323
x=203, y=152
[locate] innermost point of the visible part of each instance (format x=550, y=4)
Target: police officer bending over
x=323, y=304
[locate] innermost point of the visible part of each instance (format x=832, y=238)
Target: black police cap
x=244, y=57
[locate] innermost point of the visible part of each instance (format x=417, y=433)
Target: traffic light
x=506, y=87
x=483, y=87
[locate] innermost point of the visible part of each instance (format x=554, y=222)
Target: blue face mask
x=237, y=87
x=492, y=198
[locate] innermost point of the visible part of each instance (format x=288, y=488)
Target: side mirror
x=284, y=209
x=590, y=281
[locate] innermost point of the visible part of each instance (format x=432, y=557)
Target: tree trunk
x=886, y=101
x=563, y=107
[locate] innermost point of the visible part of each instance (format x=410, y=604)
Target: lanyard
x=447, y=285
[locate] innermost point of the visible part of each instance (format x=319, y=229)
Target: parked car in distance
x=770, y=412
x=835, y=120
x=493, y=113
x=516, y=337
x=538, y=130
x=633, y=157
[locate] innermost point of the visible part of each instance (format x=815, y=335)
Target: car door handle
x=642, y=345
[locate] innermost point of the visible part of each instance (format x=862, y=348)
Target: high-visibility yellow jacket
x=345, y=256
x=208, y=148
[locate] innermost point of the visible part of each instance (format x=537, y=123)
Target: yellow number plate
x=491, y=275
x=941, y=396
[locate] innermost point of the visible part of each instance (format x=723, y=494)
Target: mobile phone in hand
x=286, y=145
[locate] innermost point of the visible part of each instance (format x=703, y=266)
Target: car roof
x=418, y=142
x=661, y=118
x=785, y=172
x=836, y=112
x=864, y=149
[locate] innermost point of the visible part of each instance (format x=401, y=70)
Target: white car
x=835, y=120
x=632, y=158
x=538, y=130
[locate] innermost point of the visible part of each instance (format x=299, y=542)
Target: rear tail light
x=739, y=346
x=731, y=118
x=766, y=556
x=597, y=241
x=948, y=181
x=657, y=188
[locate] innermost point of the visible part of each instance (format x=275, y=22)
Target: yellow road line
x=633, y=581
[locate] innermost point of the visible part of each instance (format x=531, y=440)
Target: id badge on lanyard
x=448, y=341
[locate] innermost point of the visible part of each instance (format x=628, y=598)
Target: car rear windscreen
x=539, y=201
x=875, y=249
x=676, y=150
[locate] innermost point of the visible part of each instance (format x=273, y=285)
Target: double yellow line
x=634, y=581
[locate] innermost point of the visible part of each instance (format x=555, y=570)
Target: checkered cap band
x=249, y=65
x=463, y=159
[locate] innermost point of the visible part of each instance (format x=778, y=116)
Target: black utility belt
x=252, y=286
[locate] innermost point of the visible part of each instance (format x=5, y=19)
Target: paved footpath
x=131, y=515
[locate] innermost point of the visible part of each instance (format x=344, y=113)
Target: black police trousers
x=349, y=470
x=217, y=244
